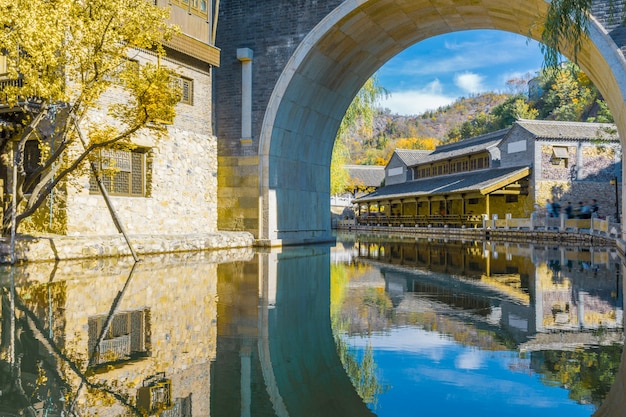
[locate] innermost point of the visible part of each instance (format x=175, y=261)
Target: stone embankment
x=54, y=247
x=497, y=235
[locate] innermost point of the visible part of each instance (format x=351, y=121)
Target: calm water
x=369, y=327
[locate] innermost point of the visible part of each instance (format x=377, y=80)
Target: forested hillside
x=425, y=131
x=566, y=94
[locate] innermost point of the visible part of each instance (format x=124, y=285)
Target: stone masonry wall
x=272, y=30
x=594, y=178
x=183, y=176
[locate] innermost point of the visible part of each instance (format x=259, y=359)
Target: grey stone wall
x=511, y=152
x=395, y=163
x=610, y=15
x=272, y=30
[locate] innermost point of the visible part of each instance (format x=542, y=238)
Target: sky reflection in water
x=440, y=377
x=471, y=335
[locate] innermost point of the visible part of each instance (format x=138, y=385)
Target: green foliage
x=339, y=177
x=363, y=373
x=564, y=27
x=358, y=120
x=604, y=114
x=587, y=374
x=568, y=95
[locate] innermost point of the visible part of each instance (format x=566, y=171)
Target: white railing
x=593, y=225
x=341, y=201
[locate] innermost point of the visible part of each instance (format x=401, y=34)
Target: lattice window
x=125, y=338
x=186, y=90
x=123, y=172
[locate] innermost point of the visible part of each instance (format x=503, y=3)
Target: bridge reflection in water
x=244, y=333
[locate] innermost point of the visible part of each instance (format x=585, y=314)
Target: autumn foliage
x=60, y=59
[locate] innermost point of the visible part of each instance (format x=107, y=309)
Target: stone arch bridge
x=290, y=69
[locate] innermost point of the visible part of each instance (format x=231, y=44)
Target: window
x=32, y=162
x=186, y=90
x=511, y=198
x=472, y=201
x=123, y=172
x=197, y=7
x=559, y=154
x=126, y=337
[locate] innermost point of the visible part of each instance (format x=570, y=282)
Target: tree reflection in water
x=361, y=371
x=559, y=308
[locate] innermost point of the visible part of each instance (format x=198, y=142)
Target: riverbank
x=56, y=247
x=540, y=237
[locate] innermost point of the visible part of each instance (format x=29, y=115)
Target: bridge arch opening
x=333, y=62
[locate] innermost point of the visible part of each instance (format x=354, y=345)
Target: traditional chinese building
x=510, y=171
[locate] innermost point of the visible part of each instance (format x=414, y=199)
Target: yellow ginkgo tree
x=73, y=82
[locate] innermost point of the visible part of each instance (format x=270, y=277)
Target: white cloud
x=469, y=359
x=414, y=102
x=469, y=82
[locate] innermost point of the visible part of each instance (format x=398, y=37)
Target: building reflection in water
x=535, y=292
x=560, y=307
x=245, y=333
x=110, y=337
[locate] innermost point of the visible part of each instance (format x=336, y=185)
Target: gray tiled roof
x=367, y=175
x=487, y=138
x=457, y=183
x=548, y=129
x=412, y=157
x=463, y=147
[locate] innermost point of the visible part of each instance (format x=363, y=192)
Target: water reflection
x=455, y=313
x=304, y=331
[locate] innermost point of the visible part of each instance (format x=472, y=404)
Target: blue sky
x=437, y=71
